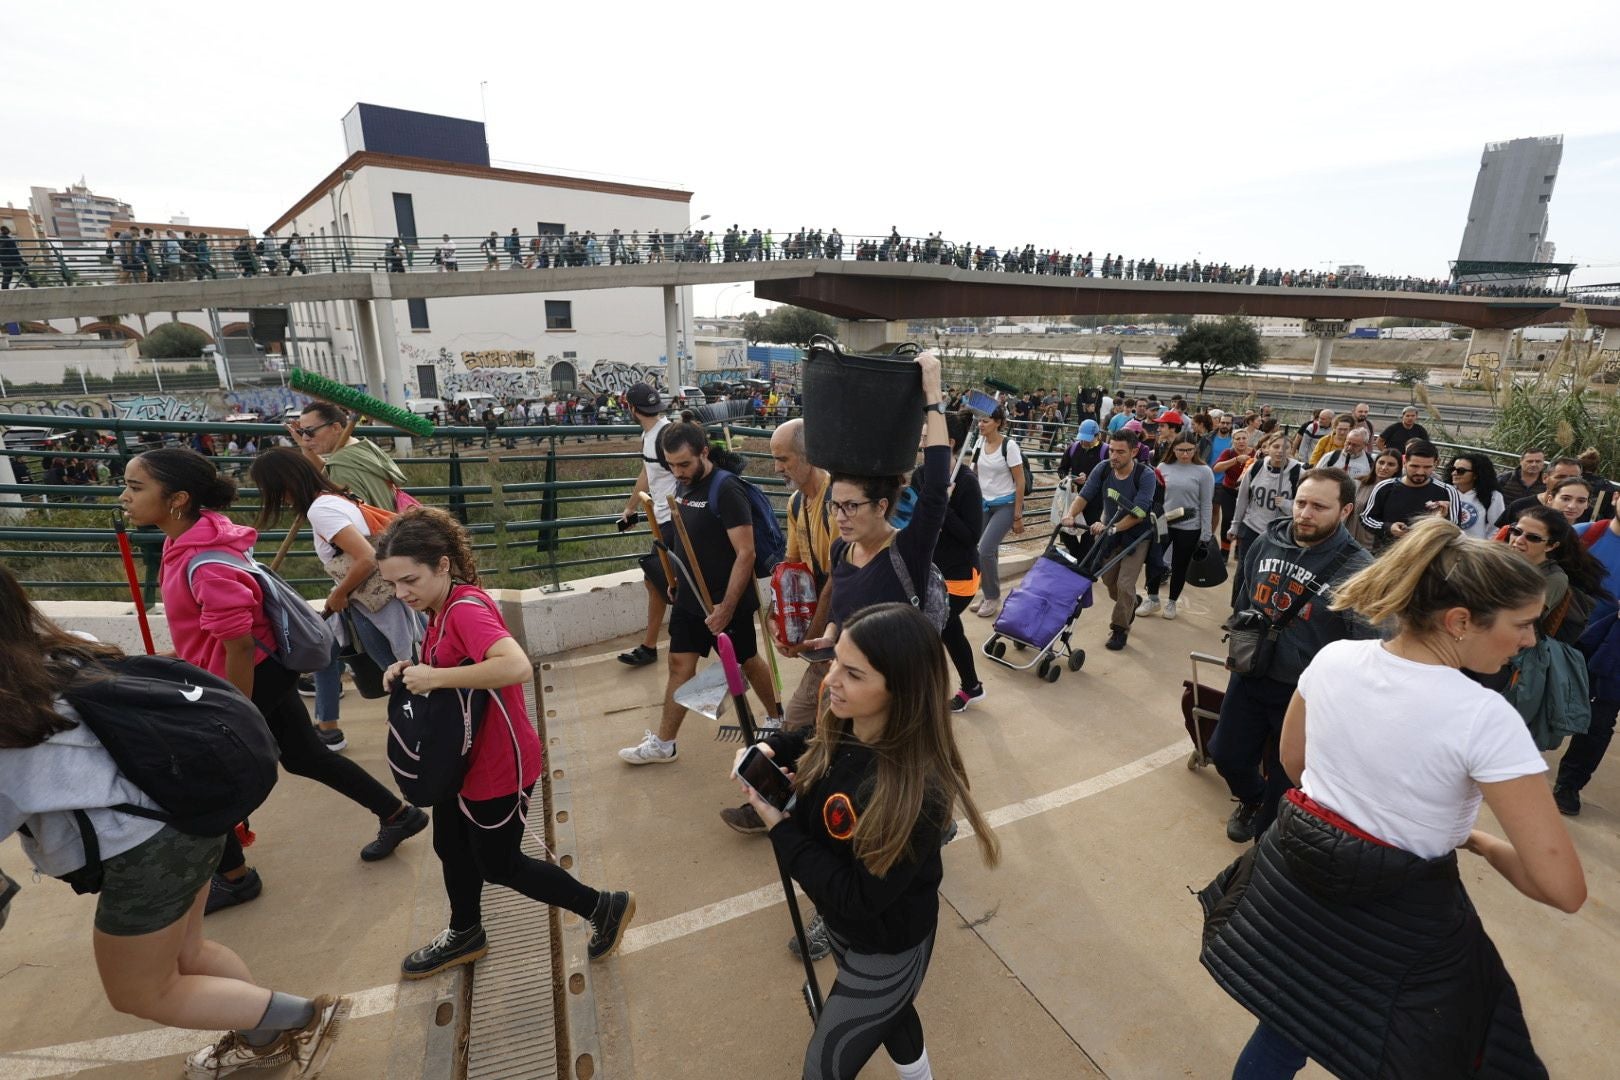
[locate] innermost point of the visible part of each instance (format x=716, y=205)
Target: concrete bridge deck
x=1077, y=957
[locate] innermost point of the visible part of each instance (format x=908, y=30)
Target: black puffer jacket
x=1368, y=958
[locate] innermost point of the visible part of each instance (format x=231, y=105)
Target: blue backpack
x=769, y=543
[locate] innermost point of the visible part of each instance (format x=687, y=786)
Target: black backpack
x=769, y=543
x=185, y=737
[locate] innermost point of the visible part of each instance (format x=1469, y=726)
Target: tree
x=788, y=325
x=1231, y=344
x=174, y=340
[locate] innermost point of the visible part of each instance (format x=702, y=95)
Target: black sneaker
x=613, y=913
x=395, y=832
x=306, y=685
x=815, y=932
x=224, y=893
x=1568, y=801
x=744, y=819
x=965, y=697
x=331, y=738
x=640, y=656
x=1116, y=640
x=1240, y=826
x=445, y=951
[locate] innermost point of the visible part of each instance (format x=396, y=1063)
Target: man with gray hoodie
x=1289, y=574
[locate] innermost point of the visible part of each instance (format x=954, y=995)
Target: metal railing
x=540, y=531
x=190, y=255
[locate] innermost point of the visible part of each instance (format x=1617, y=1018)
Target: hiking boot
x=1240, y=826
x=649, y=751
x=640, y=656
x=989, y=609
x=446, y=950
x=613, y=913
x=815, y=932
x=965, y=697
x=232, y=1053
x=312, y=1043
x=1170, y=609
x=1116, y=639
x=331, y=738
x=1148, y=606
x=743, y=819
x=1568, y=801
x=394, y=832
x=224, y=893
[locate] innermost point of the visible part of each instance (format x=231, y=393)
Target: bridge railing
x=175, y=256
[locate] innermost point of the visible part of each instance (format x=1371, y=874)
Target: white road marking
x=735, y=907
x=69, y=1058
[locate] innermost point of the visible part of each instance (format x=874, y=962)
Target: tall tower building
x=77, y=213
x=1507, y=218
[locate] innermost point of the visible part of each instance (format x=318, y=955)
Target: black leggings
x=1183, y=546
x=954, y=635
x=472, y=855
x=275, y=692
x=871, y=1005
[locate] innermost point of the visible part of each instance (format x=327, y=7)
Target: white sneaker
x=311, y=1044
x=976, y=605
x=232, y=1053
x=989, y=609
x=647, y=752
x=1148, y=606
x=1169, y=609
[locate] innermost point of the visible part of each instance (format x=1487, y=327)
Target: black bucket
x=863, y=413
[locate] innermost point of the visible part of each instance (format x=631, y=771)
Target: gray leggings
x=871, y=1005
x=997, y=523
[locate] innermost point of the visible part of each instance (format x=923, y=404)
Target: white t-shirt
x=1400, y=748
x=330, y=515
x=660, y=481
x=1476, y=519
x=995, y=470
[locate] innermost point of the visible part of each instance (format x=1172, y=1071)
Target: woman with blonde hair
x=1347, y=929
x=877, y=782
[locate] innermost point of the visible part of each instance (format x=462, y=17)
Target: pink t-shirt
x=467, y=631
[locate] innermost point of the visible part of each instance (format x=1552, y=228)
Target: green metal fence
x=540, y=515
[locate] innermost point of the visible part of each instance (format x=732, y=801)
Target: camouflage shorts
x=153, y=885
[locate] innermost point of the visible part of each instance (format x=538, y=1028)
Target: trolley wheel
x=1020, y=646
x=1077, y=660
x=1043, y=667
x=997, y=649
x=1053, y=672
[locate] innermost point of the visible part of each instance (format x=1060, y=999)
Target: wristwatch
x=938, y=406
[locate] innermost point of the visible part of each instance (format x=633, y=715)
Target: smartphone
x=762, y=774
x=816, y=656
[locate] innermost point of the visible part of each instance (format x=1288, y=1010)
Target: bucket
x=863, y=414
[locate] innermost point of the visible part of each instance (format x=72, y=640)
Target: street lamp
x=722, y=293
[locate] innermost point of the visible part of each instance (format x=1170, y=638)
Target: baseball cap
x=1133, y=425
x=644, y=399
x=1088, y=430
x=1171, y=417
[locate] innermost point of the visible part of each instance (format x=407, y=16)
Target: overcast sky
x=1289, y=134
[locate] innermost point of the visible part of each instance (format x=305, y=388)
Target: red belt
x=1317, y=810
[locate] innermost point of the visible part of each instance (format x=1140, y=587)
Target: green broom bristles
x=319, y=386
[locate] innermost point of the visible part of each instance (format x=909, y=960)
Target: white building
x=420, y=177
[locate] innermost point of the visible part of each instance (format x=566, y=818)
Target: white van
x=477, y=403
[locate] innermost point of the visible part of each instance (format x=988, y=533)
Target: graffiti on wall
x=268, y=401
x=1477, y=365
x=503, y=383
x=612, y=377
x=130, y=407
x=1609, y=362
x=498, y=358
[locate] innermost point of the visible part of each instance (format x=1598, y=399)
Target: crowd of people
x=1392, y=616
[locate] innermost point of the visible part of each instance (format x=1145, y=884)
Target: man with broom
x=321, y=431
x=716, y=594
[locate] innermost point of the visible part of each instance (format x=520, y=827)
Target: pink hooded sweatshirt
x=220, y=603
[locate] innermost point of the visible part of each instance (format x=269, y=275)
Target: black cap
x=644, y=399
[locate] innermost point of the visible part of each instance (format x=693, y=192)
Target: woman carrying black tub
x=877, y=782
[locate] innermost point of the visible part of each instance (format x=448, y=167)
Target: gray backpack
x=303, y=640
x=934, y=604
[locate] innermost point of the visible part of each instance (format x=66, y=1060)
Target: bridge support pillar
x=868, y=335
x=672, y=359
x=1326, y=332
x=1487, y=355
x=366, y=342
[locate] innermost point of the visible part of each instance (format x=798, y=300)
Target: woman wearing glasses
x=352, y=463
x=1545, y=537
x=1475, y=480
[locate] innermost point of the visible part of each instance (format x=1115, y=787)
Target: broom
x=739, y=699
x=134, y=582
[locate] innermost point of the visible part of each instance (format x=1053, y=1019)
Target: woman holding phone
x=876, y=781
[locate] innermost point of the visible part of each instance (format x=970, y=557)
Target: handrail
x=190, y=255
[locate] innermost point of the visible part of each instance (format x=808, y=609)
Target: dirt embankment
x=1350, y=352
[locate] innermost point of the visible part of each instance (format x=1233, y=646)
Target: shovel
x=739, y=695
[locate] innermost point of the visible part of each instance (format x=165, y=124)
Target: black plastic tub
x=863, y=413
